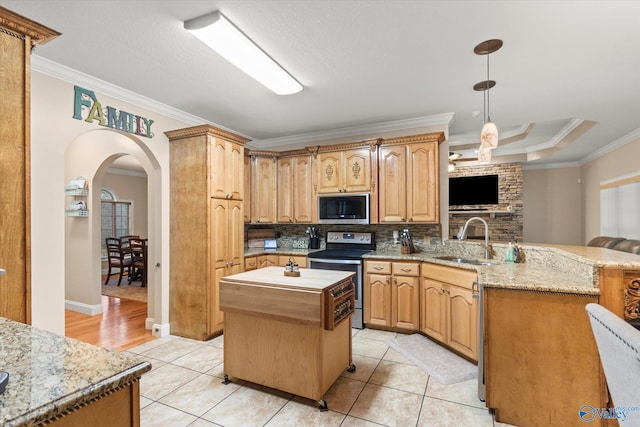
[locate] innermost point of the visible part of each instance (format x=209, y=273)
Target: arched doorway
x=90, y=155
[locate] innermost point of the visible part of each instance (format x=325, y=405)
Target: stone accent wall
x=505, y=225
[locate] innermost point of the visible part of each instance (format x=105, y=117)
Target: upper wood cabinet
x=409, y=174
x=206, y=232
x=18, y=36
x=246, y=200
x=295, y=197
x=264, y=188
x=350, y=170
x=227, y=169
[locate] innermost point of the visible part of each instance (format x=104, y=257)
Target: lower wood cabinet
x=270, y=260
x=449, y=307
x=392, y=294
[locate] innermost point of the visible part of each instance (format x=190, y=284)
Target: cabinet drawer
x=455, y=276
x=380, y=267
x=250, y=263
x=406, y=269
x=300, y=260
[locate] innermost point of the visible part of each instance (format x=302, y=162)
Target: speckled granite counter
x=50, y=374
x=546, y=268
x=279, y=251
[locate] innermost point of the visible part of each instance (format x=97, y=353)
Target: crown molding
x=353, y=131
x=69, y=75
x=622, y=141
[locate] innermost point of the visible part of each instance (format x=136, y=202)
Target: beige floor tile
x=251, y=405
x=145, y=402
x=387, y=406
x=400, y=376
x=465, y=392
x=376, y=334
x=357, y=422
x=218, y=371
x=151, y=344
x=155, y=363
x=159, y=415
x=343, y=394
x=202, y=359
x=394, y=356
x=364, y=368
x=162, y=381
x=217, y=341
x=369, y=347
x=436, y=413
x=296, y=414
x=201, y=423
x=171, y=350
x=199, y=395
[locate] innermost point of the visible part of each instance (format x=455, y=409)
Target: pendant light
x=489, y=133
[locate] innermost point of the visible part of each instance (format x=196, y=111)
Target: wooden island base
x=299, y=359
x=288, y=333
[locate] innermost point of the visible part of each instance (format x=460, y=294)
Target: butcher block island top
x=289, y=333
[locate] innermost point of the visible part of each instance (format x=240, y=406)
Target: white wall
x=53, y=131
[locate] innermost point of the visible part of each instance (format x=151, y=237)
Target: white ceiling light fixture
x=221, y=35
x=489, y=133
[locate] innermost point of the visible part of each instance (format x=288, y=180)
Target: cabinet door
x=422, y=183
x=406, y=303
x=303, y=199
x=463, y=321
x=264, y=199
x=434, y=309
x=246, y=200
x=378, y=300
x=392, y=166
x=226, y=169
x=250, y=263
x=285, y=190
x=330, y=172
x=235, y=241
x=357, y=170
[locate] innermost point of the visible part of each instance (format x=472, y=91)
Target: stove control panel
x=349, y=237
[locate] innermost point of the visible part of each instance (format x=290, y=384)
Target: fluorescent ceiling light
x=222, y=36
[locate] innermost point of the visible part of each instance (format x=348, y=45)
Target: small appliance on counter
x=314, y=238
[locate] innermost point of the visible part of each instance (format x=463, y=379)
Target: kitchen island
x=64, y=382
x=288, y=333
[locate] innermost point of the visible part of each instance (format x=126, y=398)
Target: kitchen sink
x=466, y=260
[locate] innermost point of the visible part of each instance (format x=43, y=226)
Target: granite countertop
x=546, y=268
x=279, y=251
x=49, y=373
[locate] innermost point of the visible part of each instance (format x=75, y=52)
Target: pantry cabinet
x=18, y=37
x=391, y=295
x=206, y=232
x=295, y=196
x=449, y=307
x=409, y=179
x=264, y=193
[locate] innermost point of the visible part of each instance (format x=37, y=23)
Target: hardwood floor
x=119, y=327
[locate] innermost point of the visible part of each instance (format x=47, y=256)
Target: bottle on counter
x=511, y=256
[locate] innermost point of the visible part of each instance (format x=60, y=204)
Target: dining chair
x=117, y=259
x=138, y=252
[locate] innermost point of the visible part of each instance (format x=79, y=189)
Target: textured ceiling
x=567, y=75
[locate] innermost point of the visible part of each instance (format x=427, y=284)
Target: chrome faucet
x=463, y=235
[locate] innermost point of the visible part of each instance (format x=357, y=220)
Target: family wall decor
x=85, y=101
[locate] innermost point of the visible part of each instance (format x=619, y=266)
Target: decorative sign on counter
x=108, y=117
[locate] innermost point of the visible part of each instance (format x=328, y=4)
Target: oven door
x=352, y=265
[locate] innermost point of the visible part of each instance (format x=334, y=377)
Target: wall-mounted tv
x=473, y=190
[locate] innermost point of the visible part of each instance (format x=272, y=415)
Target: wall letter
x=96, y=113
x=79, y=100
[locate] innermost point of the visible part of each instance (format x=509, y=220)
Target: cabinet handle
x=387, y=280
x=406, y=270
x=395, y=280
x=377, y=268
x=401, y=219
x=442, y=290
x=411, y=219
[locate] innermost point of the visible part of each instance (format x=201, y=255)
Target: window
x=116, y=217
x=619, y=207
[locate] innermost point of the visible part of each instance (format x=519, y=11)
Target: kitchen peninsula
x=286, y=332
x=63, y=382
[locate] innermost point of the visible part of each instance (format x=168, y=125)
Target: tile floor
x=184, y=388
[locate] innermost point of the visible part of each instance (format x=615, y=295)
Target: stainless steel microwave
x=343, y=209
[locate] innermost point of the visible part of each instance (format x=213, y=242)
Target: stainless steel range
x=344, y=252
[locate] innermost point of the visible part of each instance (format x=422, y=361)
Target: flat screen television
x=473, y=190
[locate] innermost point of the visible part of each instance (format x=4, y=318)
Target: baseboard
x=160, y=331
x=83, y=308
